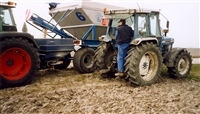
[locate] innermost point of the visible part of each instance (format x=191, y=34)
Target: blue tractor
x=149, y=49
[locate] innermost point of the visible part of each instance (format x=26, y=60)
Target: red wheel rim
x=15, y=63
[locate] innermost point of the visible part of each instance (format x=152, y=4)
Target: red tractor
x=19, y=59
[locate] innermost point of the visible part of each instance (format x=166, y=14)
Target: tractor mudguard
x=172, y=55
x=138, y=41
x=27, y=36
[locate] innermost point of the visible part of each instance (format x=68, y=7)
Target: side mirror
x=167, y=25
x=165, y=31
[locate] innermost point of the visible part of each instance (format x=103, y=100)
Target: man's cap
x=122, y=20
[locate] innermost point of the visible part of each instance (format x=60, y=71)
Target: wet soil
x=67, y=91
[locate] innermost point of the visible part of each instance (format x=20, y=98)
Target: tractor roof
x=8, y=4
x=125, y=13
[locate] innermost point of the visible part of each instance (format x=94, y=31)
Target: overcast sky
x=183, y=16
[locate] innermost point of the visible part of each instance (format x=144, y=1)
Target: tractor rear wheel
x=103, y=58
x=143, y=64
x=182, y=66
x=19, y=61
x=1, y=83
x=83, y=60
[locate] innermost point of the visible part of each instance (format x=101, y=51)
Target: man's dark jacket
x=125, y=34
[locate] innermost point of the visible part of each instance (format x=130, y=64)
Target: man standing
x=123, y=37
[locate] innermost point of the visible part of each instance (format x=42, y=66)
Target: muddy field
x=69, y=92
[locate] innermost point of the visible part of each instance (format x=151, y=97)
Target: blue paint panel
x=167, y=41
x=55, y=45
x=92, y=43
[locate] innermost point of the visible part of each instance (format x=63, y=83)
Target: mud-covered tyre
x=182, y=65
x=83, y=60
x=143, y=64
x=103, y=58
x=66, y=63
x=19, y=61
x=1, y=84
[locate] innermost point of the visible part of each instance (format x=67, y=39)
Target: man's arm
x=116, y=34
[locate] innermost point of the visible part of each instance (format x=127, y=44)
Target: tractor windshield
x=114, y=24
x=142, y=25
x=148, y=25
x=6, y=18
x=154, y=25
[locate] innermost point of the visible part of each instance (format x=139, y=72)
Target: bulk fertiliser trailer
x=21, y=56
x=82, y=19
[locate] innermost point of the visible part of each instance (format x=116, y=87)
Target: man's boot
x=119, y=74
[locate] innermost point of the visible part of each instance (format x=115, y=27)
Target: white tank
x=81, y=15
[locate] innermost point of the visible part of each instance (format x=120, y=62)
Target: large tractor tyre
x=1, y=83
x=103, y=58
x=66, y=63
x=83, y=60
x=182, y=66
x=19, y=61
x=143, y=64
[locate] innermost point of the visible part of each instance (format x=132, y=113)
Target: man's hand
x=112, y=36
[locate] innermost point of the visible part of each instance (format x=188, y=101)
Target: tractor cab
x=145, y=24
x=7, y=22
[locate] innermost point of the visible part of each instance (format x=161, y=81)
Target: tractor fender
x=172, y=55
x=137, y=41
x=105, y=38
x=23, y=35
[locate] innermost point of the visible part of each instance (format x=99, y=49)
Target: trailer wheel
x=103, y=58
x=83, y=60
x=65, y=64
x=182, y=66
x=19, y=61
x=143, y=64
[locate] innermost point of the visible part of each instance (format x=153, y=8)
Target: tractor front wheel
x=182, y=66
